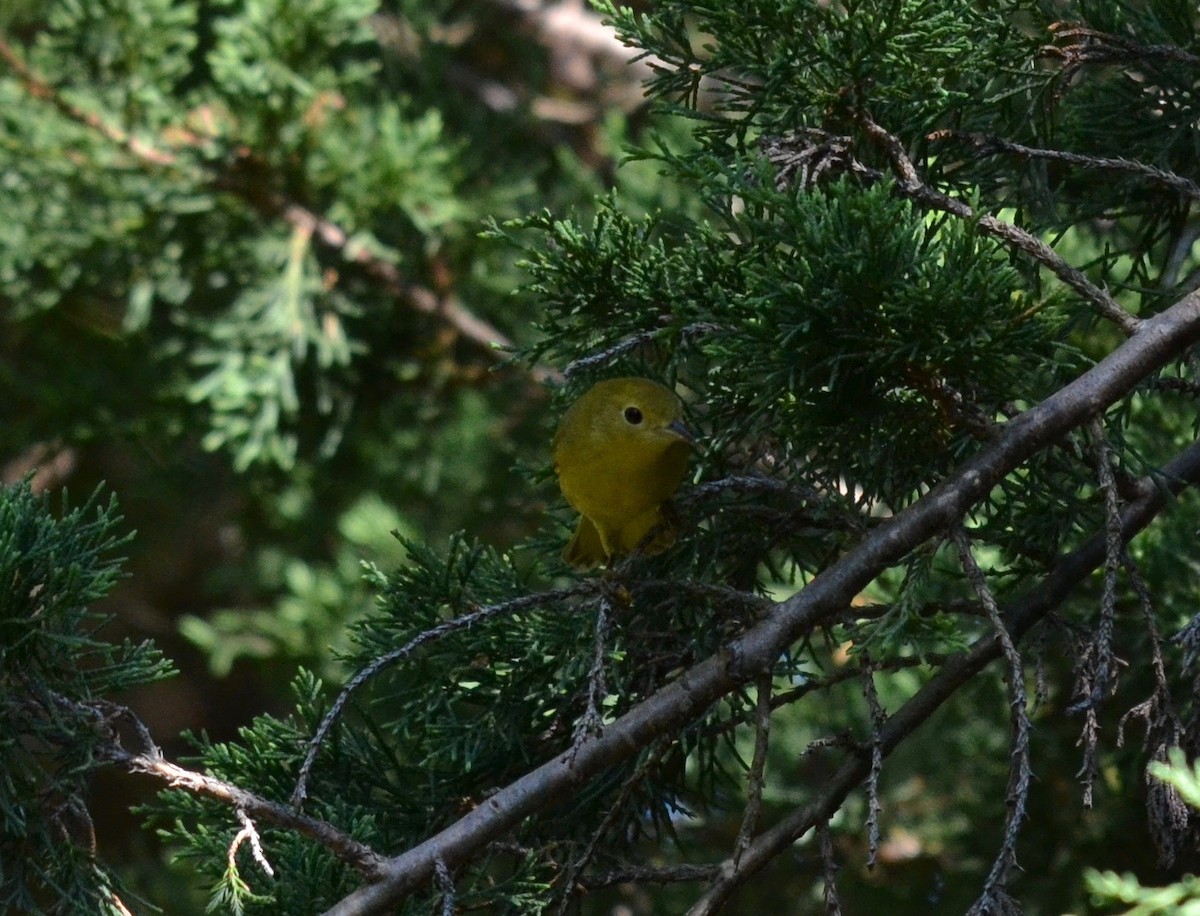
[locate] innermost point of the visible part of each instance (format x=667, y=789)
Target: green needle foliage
x=56, y=675
x=862, y=239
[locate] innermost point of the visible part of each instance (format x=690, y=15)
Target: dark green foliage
x=54, y=670
x=229, y=231
x=778, y=67
x=433, y=734
x=181, y=244
x=261, y=254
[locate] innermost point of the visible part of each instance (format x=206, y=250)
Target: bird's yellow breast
x=620, y=452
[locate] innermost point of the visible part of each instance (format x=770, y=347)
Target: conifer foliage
x=925, y=275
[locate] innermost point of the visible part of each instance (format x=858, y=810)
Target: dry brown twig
x=107, y=719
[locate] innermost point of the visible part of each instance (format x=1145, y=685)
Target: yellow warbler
x=620, y=452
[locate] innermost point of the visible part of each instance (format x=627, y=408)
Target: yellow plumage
x=620, y=452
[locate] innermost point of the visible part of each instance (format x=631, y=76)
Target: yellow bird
x=619, y=453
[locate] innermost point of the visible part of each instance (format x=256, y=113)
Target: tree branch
x=150, y=761
x=1019, y=617
x=275, y=205
x=445, y=628
x=915, y=188
x=987, y=146
x=1157, y=341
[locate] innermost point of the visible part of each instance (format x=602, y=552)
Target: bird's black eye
x=633, y=415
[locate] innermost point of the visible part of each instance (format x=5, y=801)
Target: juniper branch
x=1158, y=340
x=150, y=762
x=462, y=622
x=1018, y=618
x=273, y=204
x=912, y=186
x=988, y=145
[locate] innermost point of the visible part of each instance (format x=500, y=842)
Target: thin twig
x=1019, y=767
x=1162, y=686
x=1158, y=712
x=592, y=721
x=706, y=591
x=1089, y=766
x=833, y=906
x=989, y=145
x=820, y=504
x=572, y=875
x=747, y=484
x=878, y=717
x=607, y=355
x=848, y=673
x=1099, y=674
x=754, y=776
x=648, y=874
x=912, y=186
x=1168, y=815
x=465, y=621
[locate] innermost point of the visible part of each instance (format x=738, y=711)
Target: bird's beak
x=679, y=429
